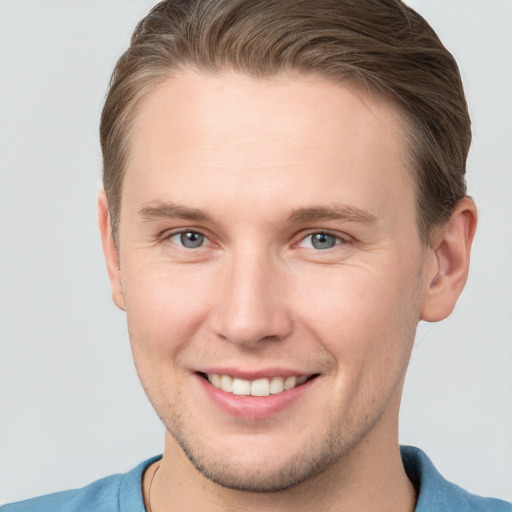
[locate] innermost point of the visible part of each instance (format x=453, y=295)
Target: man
x=284, y=200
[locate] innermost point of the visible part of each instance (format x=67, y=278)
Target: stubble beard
x=273, y=476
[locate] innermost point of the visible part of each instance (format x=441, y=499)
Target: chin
x=265, y=467
x=263, y=476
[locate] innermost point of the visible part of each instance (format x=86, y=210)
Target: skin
x=266, y=163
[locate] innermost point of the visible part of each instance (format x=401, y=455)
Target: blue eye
x=188, y=239
x=320, y=241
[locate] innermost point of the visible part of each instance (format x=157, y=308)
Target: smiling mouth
x=258, y=387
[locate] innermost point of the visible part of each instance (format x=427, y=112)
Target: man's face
x=268, y=240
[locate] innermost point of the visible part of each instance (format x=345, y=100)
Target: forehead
x=266, y=140
x=308, y=106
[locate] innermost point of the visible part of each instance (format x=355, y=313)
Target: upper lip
x=268, y=373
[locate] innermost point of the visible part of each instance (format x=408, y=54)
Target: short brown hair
x=380, y=45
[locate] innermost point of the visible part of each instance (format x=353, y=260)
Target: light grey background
x=71, y=408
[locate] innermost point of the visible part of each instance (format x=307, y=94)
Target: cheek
x=362, y=314
x=367, y=325
x=164, y=314
x=163, y=308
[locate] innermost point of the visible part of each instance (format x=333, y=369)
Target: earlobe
x=449, y=265
x=110, y=250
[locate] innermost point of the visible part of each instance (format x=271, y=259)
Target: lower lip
x=253, y=407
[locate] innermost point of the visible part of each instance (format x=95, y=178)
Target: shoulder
x=99, y=496
x=115, y=493
x=435, y=494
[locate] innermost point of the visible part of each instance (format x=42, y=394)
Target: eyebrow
x=173, y=211
x=335, y=212
x=300, y=215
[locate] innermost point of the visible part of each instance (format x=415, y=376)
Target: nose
x=252, y=301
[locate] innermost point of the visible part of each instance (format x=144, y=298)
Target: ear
x=110, y=250
x=449, y=262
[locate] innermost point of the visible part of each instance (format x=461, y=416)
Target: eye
x=188, y=239
x=320, y=241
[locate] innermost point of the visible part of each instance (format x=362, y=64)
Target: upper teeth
x=258, y=387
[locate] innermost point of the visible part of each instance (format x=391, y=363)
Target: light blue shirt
x=123, y=493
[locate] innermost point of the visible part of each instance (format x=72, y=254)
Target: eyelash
x=339, y=240
x=167, y=236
